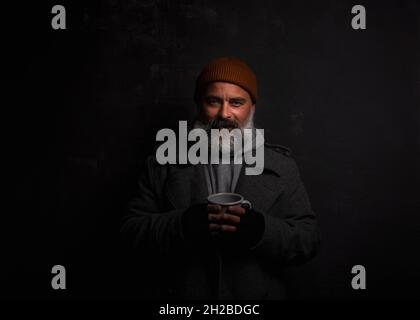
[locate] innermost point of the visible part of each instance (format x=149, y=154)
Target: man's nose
x=224, y=112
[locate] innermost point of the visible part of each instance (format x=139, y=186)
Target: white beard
x=225, y=145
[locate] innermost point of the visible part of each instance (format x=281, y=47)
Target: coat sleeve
x=145, y=226
x=290, y=228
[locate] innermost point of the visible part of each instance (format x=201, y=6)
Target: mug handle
x=246, y=204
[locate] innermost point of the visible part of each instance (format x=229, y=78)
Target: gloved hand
x=251, y=228
x=238, y=227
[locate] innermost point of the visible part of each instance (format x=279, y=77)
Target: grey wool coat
x=153, y=230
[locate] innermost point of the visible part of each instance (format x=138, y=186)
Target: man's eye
x=236, y=103
x=213, y=102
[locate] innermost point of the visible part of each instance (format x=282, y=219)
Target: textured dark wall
x=87, y=102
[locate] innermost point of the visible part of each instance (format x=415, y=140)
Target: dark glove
x=196, y=225
x=251, y=228
x=249, y=232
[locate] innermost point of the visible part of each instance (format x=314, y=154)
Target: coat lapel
x=262, y=190
x=186, y=185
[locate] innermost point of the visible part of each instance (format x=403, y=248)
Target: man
x=198, y=251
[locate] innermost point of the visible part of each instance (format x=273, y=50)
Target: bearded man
x=199, y=250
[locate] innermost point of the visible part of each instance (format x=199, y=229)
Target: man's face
x=226, y=105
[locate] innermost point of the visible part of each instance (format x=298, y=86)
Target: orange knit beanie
x=227, y=69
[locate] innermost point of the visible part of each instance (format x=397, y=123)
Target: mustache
x=223, y=124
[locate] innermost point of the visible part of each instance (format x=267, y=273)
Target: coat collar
x=186, y=185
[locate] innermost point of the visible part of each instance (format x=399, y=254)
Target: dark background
x=86, y=103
